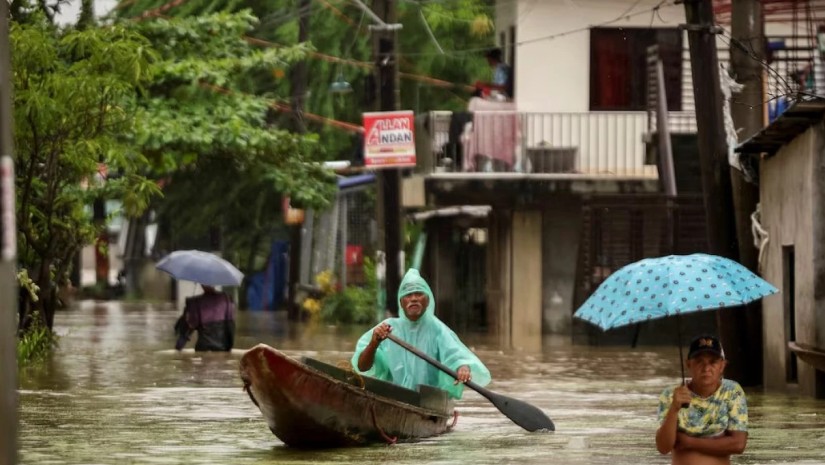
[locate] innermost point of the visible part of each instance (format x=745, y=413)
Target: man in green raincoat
x=417, y=325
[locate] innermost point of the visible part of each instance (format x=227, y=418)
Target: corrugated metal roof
x=793, y=122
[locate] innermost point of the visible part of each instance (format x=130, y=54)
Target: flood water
x=115, y=393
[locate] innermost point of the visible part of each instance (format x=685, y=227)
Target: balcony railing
x=592, y=143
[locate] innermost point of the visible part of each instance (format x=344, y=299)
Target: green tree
x=75, y=96
x=337, y=29
x=209, y=132
x=340, y=29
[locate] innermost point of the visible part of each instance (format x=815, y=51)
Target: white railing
x=592, y=143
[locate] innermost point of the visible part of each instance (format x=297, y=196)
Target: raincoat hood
x=430, y=335
x=412, y=283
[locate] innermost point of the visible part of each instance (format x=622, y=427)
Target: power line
x=365, y=65
x=606, y=23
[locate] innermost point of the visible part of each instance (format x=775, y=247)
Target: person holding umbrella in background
x=705, y=420
x=211, y=314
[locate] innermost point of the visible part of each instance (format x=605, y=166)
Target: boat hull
x=309, y=408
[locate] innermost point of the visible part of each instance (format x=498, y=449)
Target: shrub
x=37, y=342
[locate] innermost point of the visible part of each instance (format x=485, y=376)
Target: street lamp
x=340, y=85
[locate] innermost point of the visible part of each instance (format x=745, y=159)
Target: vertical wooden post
x=299, y=90
x=713, y=158
x=746, y=51
x=389, y=180
x=8, y=256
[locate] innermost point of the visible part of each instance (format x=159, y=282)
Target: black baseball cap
x=706, y=344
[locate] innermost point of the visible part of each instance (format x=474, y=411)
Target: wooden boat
x=809, y=354
x=309, y=404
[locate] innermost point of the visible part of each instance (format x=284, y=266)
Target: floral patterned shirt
x=724, y=410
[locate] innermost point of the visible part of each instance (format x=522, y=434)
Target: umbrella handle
x=681, y=357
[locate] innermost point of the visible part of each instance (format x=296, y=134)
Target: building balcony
x=545, y=145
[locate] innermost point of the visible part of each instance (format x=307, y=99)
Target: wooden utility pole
x=8, y=256
x=713, y=158
x=389, y=180
x=746, y=56
x=299, y=91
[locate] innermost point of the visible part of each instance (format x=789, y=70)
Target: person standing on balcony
x=502, y=75
x=704, y=421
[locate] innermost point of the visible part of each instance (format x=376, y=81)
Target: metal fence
x=339, y=238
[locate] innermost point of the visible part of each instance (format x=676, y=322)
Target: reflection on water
x=115, y=392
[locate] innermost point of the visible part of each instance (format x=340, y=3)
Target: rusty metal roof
x=793, y=122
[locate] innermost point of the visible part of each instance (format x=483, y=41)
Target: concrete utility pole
x=713, y=158
x=747, y=53
x=299, y=90
x=8, y=256
x=385, y=39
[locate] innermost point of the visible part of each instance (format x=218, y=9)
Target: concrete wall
x=561, y=235
x=786, y=192
x=526, y=298
x=499, y=261
x=553, y=74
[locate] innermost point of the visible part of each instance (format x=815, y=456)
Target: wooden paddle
x=521, y=413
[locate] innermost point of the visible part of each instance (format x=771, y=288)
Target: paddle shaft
x=439, y=365
x=519, y=412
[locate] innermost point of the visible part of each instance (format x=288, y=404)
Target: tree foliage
x=75, y=96
x=207, y=129
x=190, y=114
x=340, y=29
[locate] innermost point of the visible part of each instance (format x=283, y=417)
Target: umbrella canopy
x=200, y=267
x=672, y=285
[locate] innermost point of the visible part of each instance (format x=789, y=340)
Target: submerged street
x=116, y=392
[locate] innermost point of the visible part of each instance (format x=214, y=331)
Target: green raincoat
x=430, y=335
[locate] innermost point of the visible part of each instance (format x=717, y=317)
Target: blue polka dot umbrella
x=673, y=285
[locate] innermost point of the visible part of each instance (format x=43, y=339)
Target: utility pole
x=299, y=91
x=746, y=56
x=715, y=168
x=385, y=39
x=8, y=256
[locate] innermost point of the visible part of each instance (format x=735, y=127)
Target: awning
x=793, y=122
x=354, y=181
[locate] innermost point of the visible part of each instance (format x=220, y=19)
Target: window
x=618, y=67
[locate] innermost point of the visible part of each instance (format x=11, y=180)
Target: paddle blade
x=521, y=413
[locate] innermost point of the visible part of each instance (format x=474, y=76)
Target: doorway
x=789, y=309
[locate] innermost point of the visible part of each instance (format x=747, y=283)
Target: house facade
x=791, y=225
x=563, y=168
x=568, y=168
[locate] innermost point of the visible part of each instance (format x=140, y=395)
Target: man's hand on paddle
x=463, y=374
x=380, y=333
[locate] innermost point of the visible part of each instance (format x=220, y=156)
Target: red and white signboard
x=389, y=139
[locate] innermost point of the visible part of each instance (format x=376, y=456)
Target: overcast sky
x=70, y=11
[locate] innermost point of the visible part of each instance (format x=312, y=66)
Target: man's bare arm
x=733, y=442
x=666, y=434
x=367, y=357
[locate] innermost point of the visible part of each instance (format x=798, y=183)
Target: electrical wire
x=605, y=23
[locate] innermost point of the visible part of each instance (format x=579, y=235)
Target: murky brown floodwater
x=114, y=393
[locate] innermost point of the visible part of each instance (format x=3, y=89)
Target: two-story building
x=565, y=171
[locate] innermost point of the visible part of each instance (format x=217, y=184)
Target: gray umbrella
x=200, y=267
